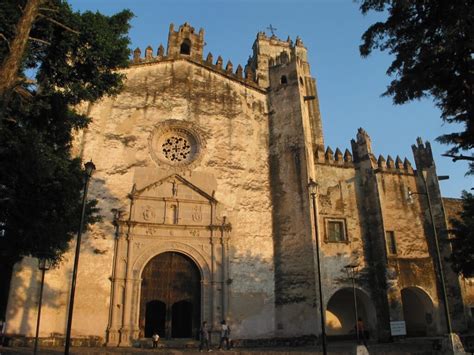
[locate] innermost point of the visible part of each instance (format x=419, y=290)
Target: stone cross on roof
x=272, y=29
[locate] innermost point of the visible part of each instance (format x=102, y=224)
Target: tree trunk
x=11, y=64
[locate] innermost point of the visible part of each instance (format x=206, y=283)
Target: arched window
x=185, y=47
x=283, y=79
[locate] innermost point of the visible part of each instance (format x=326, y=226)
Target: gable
x=173, y=187
x=172, y=200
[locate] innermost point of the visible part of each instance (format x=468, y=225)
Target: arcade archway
x=417, y=311
x=170, y=301
x=340, y=312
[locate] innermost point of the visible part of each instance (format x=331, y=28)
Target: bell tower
x=295, y=133
x=185, y=42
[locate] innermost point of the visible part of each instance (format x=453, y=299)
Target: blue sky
x=349, y=87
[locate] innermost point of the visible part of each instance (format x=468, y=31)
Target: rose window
x=176, y=149
x=175, y=143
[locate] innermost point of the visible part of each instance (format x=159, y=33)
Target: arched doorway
x=340, y=313
x=417, y=311
x=170, y=300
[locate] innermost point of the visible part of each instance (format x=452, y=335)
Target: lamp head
x=408, y=194
x=90, y=167
x=312, y=186
x=44, y=263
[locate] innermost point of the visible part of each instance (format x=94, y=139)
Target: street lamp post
x=44, y=264
x=313, y=186
x=351, y=270
x=424, y=174
x=90, y=167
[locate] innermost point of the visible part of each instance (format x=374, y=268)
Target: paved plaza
x=417, y=347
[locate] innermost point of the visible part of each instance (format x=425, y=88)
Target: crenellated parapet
x=333, y=157
x=269, y=52
x=188, y=45
x=362, y=151
x=394, y=166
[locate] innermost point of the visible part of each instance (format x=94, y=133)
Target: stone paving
x=400, y=348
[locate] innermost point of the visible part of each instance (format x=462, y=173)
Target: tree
x=433, y=45
x=75, y=57
x=11, y=64
x=462, y=257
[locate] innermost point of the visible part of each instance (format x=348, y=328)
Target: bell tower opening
x=185, y=47
x=185, y=41
x=170, y=302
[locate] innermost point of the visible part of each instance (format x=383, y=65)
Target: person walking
x=204, y=337
x=155, y=337
x=361, y=331
x=225, y=332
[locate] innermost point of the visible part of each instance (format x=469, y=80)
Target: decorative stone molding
x=176, y=145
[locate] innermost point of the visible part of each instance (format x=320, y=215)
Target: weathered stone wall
x=92, y=292
x=233, y=122
x=338, y=200
x=403, y=215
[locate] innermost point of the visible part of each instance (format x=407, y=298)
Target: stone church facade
x=202, y=180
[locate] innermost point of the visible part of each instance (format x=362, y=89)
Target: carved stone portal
x=170, y=243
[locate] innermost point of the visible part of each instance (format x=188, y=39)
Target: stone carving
x=197, y=214
x=148, y=213
x=174, y=188
x=150, y=230
x=194, y=232
x=415, y=269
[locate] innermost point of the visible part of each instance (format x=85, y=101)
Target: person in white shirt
x=225, y=332
x=155, y=337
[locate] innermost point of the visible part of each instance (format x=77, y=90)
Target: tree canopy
x=463, y=242
x=74, y=58
x=433, y=46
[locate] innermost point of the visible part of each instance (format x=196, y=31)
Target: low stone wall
x=53, y=341
x=306, y=340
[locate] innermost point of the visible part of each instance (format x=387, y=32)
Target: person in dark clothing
x=204, y=337
x=361, y=331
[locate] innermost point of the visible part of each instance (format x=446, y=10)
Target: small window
x=174, y=214
x=185, y=47
x=283, y=79
x=335, y=231
x=301, y=81
x=391, y=242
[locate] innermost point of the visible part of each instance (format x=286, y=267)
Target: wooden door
x=170, y=296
